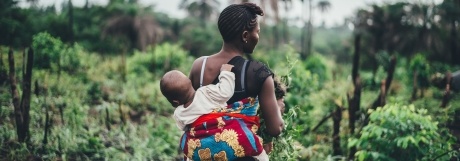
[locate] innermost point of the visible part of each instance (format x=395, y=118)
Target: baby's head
x=176, y=87
x=280, y=92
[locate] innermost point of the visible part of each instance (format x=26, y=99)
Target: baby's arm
x=223, y=91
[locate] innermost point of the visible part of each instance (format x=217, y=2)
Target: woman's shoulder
x=259, y=68
x=199, y=61
x=196, y=66
x=257, y=64
x=250, y=63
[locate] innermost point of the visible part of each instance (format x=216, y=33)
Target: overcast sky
x=340, y=9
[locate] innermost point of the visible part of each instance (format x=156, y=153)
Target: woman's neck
x=232, y=49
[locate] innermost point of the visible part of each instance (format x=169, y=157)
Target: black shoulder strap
x=243, y=75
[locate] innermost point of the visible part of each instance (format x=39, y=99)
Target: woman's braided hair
x=236, y=18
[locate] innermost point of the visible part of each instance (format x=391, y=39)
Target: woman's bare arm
x=270, y=111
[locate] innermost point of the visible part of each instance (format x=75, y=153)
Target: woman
x=253, y=86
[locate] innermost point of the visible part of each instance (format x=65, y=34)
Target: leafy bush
x=159, y=59
x=51, y=53
x=317, y=65
x=398, y=132
x=47, y=50
x=420, y=65
x=70, y=59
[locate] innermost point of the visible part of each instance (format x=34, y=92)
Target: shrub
x=420, y=65
x=70, y=58
x=317, y=65
x=158, y=60
x=398, y=132
x=51, y=53
x=47, y=50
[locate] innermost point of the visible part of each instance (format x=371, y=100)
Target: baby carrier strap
x=243, y=74
x=202, y=70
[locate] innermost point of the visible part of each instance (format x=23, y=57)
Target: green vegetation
x=397, y=132
x=95, y=81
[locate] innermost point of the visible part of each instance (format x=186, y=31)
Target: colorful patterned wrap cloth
x=225, y=134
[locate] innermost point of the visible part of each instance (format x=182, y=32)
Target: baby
x=191, y=104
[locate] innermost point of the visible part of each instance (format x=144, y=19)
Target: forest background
x=82, y=83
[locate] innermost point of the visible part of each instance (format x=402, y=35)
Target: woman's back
x=249, y=75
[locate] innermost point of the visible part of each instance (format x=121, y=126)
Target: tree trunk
x=3, y=72
x=202, y=13
x=337, y=117
x=356, y=56
x=414, y=88
x=380, y=101
x=354, y=106
x=21, y=107
x=390, y=73
x=309, y=37
x=355, y=102
x=455, y=56
x=14, y=93
x=71, y=34
x=303, y=36
x=310, y=29
x=61, y=112
x=24, y=62
x=303, y=42
x=26, y=93
x=285, y=31
x=276, y=36
x=107, y=119
x=47, y=126
x=375, y=67
x=86, y=5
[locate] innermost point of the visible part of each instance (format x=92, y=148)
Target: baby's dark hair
x=236, y=18
x=173, y=87
x=280, y=88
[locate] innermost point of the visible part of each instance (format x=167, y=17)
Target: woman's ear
x=245, y=36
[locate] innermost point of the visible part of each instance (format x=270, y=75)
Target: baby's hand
x=226, y=67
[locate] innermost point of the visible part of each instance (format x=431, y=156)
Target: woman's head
x=238, y=24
